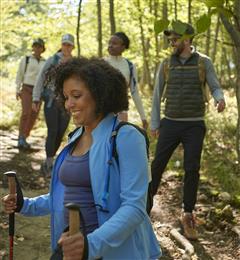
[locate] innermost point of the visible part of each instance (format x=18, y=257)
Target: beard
x=179, y=49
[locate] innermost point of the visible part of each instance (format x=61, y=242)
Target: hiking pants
x=57, y=120
x=28, y=116
x=191, y=135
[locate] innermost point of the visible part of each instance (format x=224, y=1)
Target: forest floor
x=219, y=232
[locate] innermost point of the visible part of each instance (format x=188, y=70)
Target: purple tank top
x=74, y=174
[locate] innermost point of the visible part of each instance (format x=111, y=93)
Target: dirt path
x=217, y=239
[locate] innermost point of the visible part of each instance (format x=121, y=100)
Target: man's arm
x=156, y=100
x=137, y=99
x=214, y=85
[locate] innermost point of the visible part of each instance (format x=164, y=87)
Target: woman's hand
x=72, y=246
x=36, y=106
x=9, y=203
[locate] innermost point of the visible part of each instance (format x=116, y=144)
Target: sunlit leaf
x=161, y=25
x=203, y=23
x=213, y=3
x=179, y=27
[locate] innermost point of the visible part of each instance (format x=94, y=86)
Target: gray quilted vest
x=184, y=97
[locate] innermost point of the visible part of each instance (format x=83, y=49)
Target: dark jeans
x=57, y=120
x=191, y=135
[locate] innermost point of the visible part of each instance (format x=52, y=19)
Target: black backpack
x=115, y=156
x=26, y=63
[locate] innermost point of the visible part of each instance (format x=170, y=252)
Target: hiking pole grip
x=74, y=219
x=11, y=175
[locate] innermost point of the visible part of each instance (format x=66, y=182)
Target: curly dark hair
x=106, y=84
x=124, y=38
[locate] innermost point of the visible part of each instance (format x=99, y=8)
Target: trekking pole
x=74, y=219
x=11, y=175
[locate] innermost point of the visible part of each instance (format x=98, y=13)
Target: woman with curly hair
x=111, y=195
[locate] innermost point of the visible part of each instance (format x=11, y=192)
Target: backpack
x=201, y=73
x=115, y=156
x=132, y=80
x=50, y=73
x=26, y=63
x=49, y=82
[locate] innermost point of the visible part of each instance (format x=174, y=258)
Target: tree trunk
x=189, y=11
x=78, y=27
x=229, y=71
x=238, y=104
x=146, y=79
x=99, y=15
x=208, y=38
x=157, y=45
x=175, y=9
x=214, y=51
x=234, y=32
x=165, y=17
x=111, y=17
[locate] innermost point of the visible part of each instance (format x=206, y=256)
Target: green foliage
x=161, y=25
x=219, y=154
x=214, y=3
x=203, y=23
x=179, y=27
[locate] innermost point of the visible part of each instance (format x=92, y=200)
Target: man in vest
x=180, y=86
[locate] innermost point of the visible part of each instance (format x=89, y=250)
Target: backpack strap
x=56, y=59
x=202, y=78
x=149, y=202
x=26, y=63
x=132, y=79
x=166, y=65
x=114, y=136
x=105, y=196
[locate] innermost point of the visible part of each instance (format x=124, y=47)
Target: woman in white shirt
x=118, y=43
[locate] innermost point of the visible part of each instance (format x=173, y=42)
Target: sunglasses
x=174, y=40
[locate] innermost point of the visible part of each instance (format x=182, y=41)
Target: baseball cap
x=68, y=38
x=189, y=30
x=39, y=41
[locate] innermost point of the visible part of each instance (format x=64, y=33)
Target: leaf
x=3, y=253
x=20, y=239
x=161, y=25
x=4, y=225
x=179, y=27
x=203, y=23
x=214, y=3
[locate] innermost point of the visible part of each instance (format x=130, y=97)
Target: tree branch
x=235, y=35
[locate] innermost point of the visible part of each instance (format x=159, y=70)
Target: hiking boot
x=189, y=226
x=23, y=144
